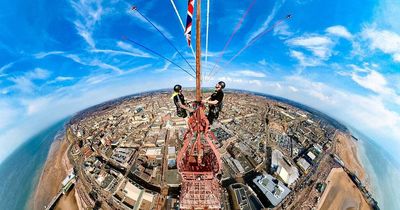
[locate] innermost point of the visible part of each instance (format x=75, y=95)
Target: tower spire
x=198, y=51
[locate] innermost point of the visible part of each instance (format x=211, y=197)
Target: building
x=154, y=153
x=272, y=188
x=243, y=198
x=303, y=164
x=171, y=157
x=134, y=197
x=122, y=155
x=68, y=182
x=283, y=169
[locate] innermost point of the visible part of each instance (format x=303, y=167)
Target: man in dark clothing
x=215, y=102
x=180, y=103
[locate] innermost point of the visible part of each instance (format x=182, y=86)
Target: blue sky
x=58, y=57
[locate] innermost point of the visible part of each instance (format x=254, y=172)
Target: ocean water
x=383, y=172
x=20, y=172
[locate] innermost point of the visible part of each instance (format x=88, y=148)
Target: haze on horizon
x=59, y=57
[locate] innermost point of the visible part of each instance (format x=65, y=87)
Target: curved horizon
x=339, y=57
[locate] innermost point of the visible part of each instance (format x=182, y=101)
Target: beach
x=346, y=149
x=55, y=170
x=341, y=193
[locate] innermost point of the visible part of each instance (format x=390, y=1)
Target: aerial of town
x=274, y=155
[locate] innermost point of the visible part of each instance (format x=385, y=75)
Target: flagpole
x=198, y=51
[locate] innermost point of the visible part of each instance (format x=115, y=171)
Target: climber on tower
x=215, y=103
x=180, y=103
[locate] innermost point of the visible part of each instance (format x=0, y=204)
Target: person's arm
x=206, y=100
x=212, y=102
x=218, y=99
x=184, y=107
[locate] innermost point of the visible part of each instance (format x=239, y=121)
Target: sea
x=382, y=169
x=20, y=172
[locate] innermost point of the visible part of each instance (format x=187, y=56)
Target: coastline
x=383, y=171
x=341, y=192
x=348, y=150
x=55, y=170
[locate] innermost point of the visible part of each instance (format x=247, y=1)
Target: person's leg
x=210, y=117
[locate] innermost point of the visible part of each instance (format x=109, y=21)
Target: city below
x=122, y=155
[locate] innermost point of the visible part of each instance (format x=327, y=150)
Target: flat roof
x=304, y=165
x=272, y=188
x=132, y=191
x=153, y=151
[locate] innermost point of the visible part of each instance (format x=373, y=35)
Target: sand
x=67, y=202
x=346, y=148
x=341, y=193
x=54, y=172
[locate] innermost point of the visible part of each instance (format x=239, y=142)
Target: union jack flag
x=188, y=30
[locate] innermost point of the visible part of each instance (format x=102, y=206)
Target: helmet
x=222, y=83
x=177, y=88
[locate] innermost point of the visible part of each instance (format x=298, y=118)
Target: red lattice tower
x=199, y=163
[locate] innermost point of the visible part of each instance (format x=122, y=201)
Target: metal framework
x=199, y=161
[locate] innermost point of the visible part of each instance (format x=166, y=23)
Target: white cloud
x=396, y=57
x=85, y=34
x=339, y=31
x=238, y=82
x=89, y=13
x=320, y=46
x=128, y=47
x=266, y=24
x=372, y=80
x=103, y=65
x=138, y=53
x=61, y=78
x=305, y=61
x=249, y=73
x=8, y=113
x=282, y=30
x=293, y=89
x=75, y=58
x=25, y=83
x=167, y=64
x=94, y=63
x=136, y=69
x=262, y=62
x=38, y=73
x=386, y=41
x=22, y=84
x=5, y=67
x=41, y=55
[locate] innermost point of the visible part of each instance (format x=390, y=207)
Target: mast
x=198, y=51
x=199, y=161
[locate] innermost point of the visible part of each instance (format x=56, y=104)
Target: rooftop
x=272, y=188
